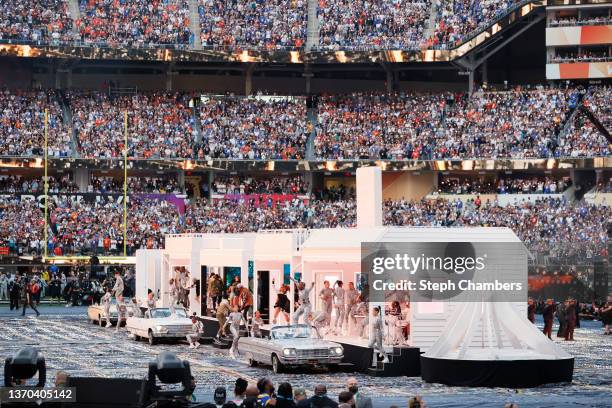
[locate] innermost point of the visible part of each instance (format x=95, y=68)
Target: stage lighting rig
x=23, y=366
x=169, y=369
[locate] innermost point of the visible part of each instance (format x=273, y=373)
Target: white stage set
x=446, y=331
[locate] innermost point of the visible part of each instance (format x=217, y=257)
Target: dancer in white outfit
x=376, y=341
x=234, y=320
x=196, y=329
x=339, y=300
x=174, y=296
x=351, y=296
x=118, y=287
x=326, y=295
x=121, y=312
x=304, y=298
x=3, y=286
x=106, y=302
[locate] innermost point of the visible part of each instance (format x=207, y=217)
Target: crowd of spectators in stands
x=135, y=23
x=371, y=25
x=503, y=185
x=457, y=20
x=21, y=225
x=511, y=124
x=253, y=24
x=20, y=184
x=604, y=186
x=236, y=184
x=159, y=124
x=252, y=128
x=568, y=21
x=22, y=124
x=144, y=184
x=585, y=55
x=552, y=226
x=45, y=21
x=597, y=100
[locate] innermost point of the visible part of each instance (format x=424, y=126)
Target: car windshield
x=165, y=312
x=299, y=331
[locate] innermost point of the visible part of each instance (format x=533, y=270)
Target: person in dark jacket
x=562, y=317
x=15, y=292
x=570, y=319
x=531, y=309
x=549, y=314
x=28, y=297
x=284, y=396
x=320, y=398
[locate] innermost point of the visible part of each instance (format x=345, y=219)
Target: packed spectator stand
x=241, y=24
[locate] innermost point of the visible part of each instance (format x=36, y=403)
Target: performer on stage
x=121, y=312
x=256, y=324
x=106, y=303
x=174, y=295
x=326, y=294
x=339, y=301
x=223, y=310
x=376, y=341
x=234, y=320
x=118, y=287
x=282, y=304
x=151, y=301
x=605, y=314
x=196, y=329
x=136, y=312
x=304, y=299
x=570, y=313
x=352, y=297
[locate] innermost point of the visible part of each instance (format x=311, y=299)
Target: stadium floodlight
x=169, y=369
x=23, y=366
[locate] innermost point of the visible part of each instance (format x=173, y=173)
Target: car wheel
x=152, y=339
x=277, y=366
x=252, y=361
x=100, y=321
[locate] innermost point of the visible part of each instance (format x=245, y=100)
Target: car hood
x=170, y=321
x=305, y=344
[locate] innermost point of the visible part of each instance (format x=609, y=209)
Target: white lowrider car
x=95, y=312
x=291, y=346
x=160, y=323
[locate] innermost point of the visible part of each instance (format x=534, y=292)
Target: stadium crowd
x=134, y=23
x=22, y=124
x=510, y=124
x=237, y=184
x=159, y=124
x=457, y=20
x=20, y=184
x=371, y=25
x=253, y=24
x=504, y=185
x=46, y=21
x=146, y=184
x=252, y=128
x=550, y=226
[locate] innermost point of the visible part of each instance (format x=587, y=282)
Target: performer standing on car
x=339, y=300
x=174, y=295
x=151, y=301
x=304, y=298
x=326, y=294
x=118, y=287
x=234, y=320
x=106, y=303
x=282, y=304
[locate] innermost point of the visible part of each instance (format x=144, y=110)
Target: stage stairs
x=403, y=361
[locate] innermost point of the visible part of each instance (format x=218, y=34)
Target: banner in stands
x=260, y=199
x=582, y=35
x=579, y=70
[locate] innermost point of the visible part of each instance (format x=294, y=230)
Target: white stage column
x=369, y=197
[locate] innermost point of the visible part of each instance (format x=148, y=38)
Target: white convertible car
x=291, y=346
x=160, y=323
